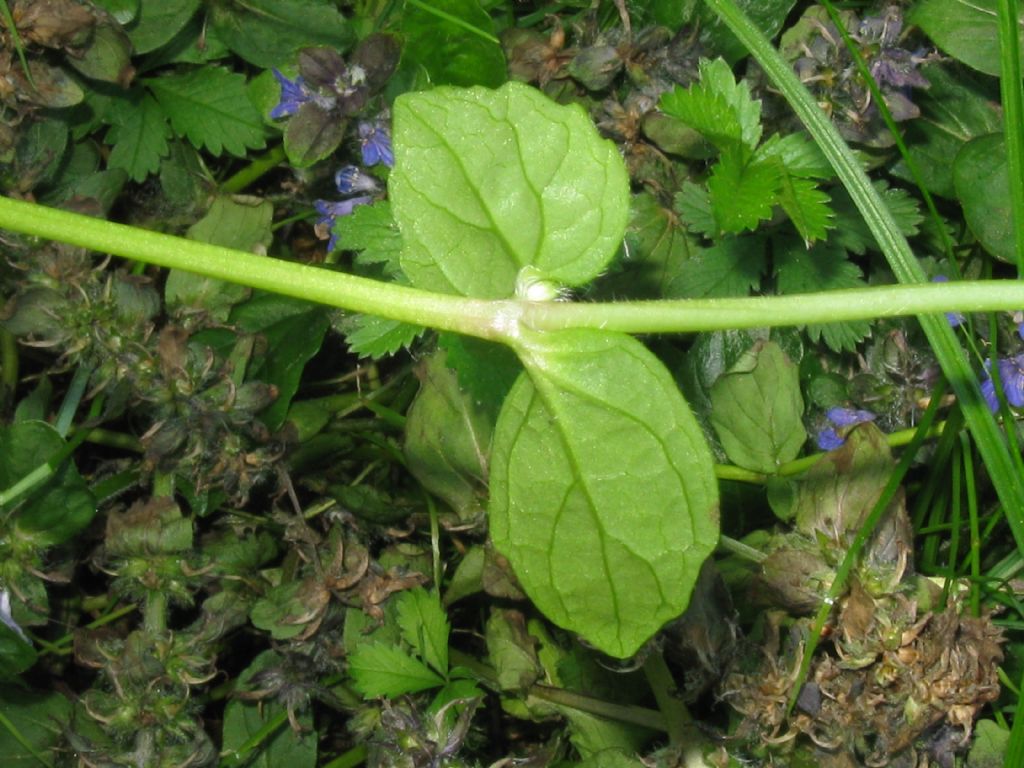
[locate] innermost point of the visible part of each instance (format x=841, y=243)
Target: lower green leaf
x=603, y=494
x=387, y=670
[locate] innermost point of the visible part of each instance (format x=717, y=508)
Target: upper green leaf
x=268, y=32
x=603, y=495
x=457, y=49
x=718, y=107
x=158, y=21
x=140, y=141
x=757, y=409
x=211, y=108
x=488, y=182
x=967, y=31
x=387, y=670
x=425, y=626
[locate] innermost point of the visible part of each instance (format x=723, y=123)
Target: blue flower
x=294, y=94
x=1011, y=376
x=329, y=211
x=828, y=439
x=351, y=179
x=375, y=144
x=5, y=615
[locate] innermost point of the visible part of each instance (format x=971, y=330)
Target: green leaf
x=806, y=206
x=656, y=249
x=603, y=499
x=982, y=180
x=56, y=509
x=823, y=267
x=954, y=110
x=757, y=410
x=768, y=15
x=140, y=141
x=312, y=134
x=158, y=21
x=458, y=50
x=851, y=233
x=292, y=342
x=36, y=727
x=210, y=107
x=245, y=722
x=371, y=230
x=267, y=33
x=743, y=193
x=693, y=204
x=967, y=30
x=376, y=337
x=385, y=670
x=106, y=57
x=988, y=750
x=425, y=627
x=448, y=440
x=488, y=182
x=486, y=370
x=799, y=154
x=16, y=656
x=719, y=107
x=511, y=650
x=731, y=267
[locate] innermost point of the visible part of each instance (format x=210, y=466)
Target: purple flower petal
x=828, y=439
x=847, y=417
x=5, y=615
x=375, y=144
x=350, y=179
x=293, y=95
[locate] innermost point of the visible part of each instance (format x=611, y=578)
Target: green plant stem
x=1012, y=97
x=682, y=732
x=624, y=713
x=240, y=756
x=353, y=757
x=254, y=170
x=8, y=363
x=1009, y=483
x=500, y=320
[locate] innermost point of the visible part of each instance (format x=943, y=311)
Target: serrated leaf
x=806, y=206
x=849, y=228
x=268, y=32
x=823, y=267
x=603, y=499
x=140, y=141
x=718, y=107
x=486, y=370
x=743, y=193
x=386, y=670
x=210, y=107
x=488, y=182
x=425, y=627
x=757, y=410
x=801, y=156
x=371, y=230
x=376, y=337
x=693, y=204
x=731, y=267
x=656, y=248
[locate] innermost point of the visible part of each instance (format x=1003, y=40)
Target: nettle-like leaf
x=376, y=337
x=824, y=267
x=718, y=106
x=748, y=180
x=487, y=182
x=210, y=107
x=603, y=495
x=425, y=627
x=140, y=141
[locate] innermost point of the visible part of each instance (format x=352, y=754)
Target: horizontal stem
x=691, y=315
x=303, y=281
x=499, y=319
